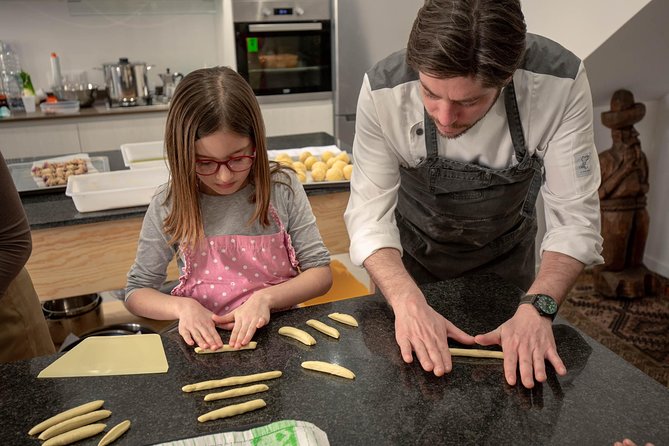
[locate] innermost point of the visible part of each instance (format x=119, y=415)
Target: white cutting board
x=111, y=355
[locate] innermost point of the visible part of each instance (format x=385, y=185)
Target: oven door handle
x=283, y=27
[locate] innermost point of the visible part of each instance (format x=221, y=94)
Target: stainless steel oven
x=284, y=48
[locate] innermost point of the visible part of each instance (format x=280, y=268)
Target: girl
x=242, y=226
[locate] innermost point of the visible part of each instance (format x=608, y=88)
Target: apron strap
x=514, y=122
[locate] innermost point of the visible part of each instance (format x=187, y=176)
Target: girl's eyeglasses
x=234, y=164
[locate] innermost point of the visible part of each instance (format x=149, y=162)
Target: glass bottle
x=10, y=77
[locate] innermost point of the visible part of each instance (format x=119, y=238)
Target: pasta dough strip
x=231, y=411
x=70, y=413
x=323, y=328
x=476, y=353
x=297, y=334
x=73, y=423
x=226, y=348
x=231, y=381
x=344, y=319
x=326, y=367
x=114, y=433
x=75, y=435
x=249, y=390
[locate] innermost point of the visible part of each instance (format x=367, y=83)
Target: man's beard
x=466, y=127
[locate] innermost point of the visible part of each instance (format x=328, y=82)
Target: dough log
x=71, y=413
x=114, y=433
x=241, y=391
x=476, y=353
x=231, y=411
x=73, y=423
x=226, y=348
x=231, y=381
x=326, y=367
x=344, y=319
x=323, y=328
x=75, y=435
x=297, y=334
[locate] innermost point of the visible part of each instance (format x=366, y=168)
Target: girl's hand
x=245, y=319
x=196, y=325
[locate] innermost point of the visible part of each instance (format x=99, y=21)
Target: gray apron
x=460, y=218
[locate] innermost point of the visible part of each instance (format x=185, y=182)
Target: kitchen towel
x=284, y=432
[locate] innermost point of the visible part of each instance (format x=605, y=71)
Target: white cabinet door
x=110, y=132
x=38, y=138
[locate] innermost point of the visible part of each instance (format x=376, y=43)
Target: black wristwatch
x=545, y=305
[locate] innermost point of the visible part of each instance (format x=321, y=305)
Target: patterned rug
x=635, y=329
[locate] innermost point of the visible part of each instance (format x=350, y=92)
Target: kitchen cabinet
x=602, y=398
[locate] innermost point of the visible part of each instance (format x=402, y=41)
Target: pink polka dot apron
x=225, y=270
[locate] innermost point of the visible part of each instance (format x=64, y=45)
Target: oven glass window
x=285, y=62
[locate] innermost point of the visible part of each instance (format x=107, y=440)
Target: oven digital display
x=283, y=11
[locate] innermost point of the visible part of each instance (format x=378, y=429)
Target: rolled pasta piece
x=114, y=433
x=241, y=391
x=231, y=411
x=323, y=328
x=326, y=367
x=70, y=413
x=344, y=319
x=73, y=423
x=476, y=353
x=297, y=334
x=227, y=348
x=231, y=381
x=75, y=435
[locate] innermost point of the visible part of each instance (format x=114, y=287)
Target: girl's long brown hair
x=204, y=102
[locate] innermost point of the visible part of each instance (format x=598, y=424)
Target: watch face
x=546, y=304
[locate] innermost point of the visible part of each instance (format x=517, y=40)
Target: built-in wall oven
x=283, y=48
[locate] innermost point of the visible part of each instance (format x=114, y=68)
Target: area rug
x=635, y=329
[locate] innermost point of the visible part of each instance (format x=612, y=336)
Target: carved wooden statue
x=623, y=203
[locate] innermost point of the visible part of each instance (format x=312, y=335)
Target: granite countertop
x=52, y=209
x=602, y=398
x=87, y=112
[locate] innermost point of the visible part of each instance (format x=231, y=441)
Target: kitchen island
x=100, y=246
x=602, y=398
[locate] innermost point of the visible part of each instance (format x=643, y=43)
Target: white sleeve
x=570, y=192
x=375, y=180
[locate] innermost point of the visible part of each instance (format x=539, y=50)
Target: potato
x=334, y=174
x=298, y=165
x=344, y=157
x=340, y=164
x=347, y=170
x=319, y=165
x=325, y=156
x=318, y=175
x=310, y=161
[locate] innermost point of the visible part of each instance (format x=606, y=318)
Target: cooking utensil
x=127, y=82
x=111, y=330
x=84, y=93
x=76, y=315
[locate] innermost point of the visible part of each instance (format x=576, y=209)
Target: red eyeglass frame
x=225, y=163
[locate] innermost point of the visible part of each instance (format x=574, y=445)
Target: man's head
x=482, y=39
x=465, y=51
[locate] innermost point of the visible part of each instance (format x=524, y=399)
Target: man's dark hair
x=484, y=39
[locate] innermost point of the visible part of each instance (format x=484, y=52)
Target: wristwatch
x=545, y=305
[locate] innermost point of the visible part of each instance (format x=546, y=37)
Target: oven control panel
x=250, y=11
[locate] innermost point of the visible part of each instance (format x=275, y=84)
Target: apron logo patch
x=583, y=164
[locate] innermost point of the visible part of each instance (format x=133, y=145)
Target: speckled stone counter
x=51, y=209
x=602, y=399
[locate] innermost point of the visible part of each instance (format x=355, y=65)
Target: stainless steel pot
x=127, y=82
x=76, y=315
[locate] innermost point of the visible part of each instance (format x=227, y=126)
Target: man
x=455, y=137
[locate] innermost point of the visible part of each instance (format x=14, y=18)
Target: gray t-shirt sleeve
x=154, y=254
x=300, y=222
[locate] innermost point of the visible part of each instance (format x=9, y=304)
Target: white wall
x=580, y=25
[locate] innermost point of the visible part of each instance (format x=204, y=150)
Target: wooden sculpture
x=622, y=196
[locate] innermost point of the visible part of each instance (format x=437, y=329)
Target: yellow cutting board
x=111, y=355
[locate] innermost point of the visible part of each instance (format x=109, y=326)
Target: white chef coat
x=556, y=115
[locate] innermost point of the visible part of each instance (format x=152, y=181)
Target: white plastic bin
x=144, y=155
x=117, y=189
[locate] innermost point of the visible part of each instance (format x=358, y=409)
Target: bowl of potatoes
x=326, y=168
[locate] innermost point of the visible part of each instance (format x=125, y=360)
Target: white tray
x=117, y=189
x=143, y=154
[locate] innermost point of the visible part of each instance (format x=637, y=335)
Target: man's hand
x=527, y=341
x=196, y=325
x=419, y=328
